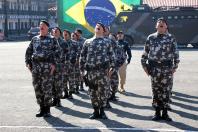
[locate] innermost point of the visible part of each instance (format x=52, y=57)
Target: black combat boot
x=81, y=86
x=102, y=113
x=113, y=97
x=70, y=95
x=108, y=106
x=95, y=114
x=157, y=115
x=46, y=111
x=165, y=115
x=77, y=90
x=58, y=103
x=54, y=102
x=41, y=111
x=65, y=94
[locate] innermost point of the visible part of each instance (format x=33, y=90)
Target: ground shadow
x=188, y=107
x=184, y=99
x=129, y=105
x=182, y=126
x=136, y=95
x=185, y=115
x=61, y=125
x=130, y=115
x=184, y=95
x=72, y=112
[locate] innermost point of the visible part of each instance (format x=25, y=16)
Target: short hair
x=79, y=30
x=163, y=20
x=67, y=31
x=102, y=25
x=46, y=23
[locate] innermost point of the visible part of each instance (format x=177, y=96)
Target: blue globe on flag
x=99, y=11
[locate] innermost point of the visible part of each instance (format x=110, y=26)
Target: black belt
x=160, y=63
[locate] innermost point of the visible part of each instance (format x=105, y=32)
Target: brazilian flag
x=85, y=14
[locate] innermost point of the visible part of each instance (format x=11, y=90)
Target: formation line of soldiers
x=60, y=65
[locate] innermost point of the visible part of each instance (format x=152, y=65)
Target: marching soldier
x=160, y=60
x=39, y=59
x=58, y=84
x=81, y=41
x=97, y=58
x=66, y=64
x=73, y=61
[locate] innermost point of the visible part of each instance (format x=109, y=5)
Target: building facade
x=18, y=16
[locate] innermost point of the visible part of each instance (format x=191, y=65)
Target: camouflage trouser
x=43, y=83
x=114, y=82
x=162, y=82
x=58, y=82
x=100, y=92
x=65, y=77
x=73, y=77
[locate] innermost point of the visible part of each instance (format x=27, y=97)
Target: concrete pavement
x=133, y=111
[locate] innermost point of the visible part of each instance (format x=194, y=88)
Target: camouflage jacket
x=160, y=48
x=73, y=54
x=41, y=47
x=97, y=52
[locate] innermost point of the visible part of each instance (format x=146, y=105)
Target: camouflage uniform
x=40, y=54
x=114, y=80
x=66, y=64
x=97, y=57
x=80, y=41
x=162, y=55
x=58, y=81
x=73, y=70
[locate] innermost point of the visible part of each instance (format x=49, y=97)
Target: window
x=10, y=26
x=1, y=4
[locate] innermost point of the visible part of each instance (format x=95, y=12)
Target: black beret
x=102, y=25
x=46, y=23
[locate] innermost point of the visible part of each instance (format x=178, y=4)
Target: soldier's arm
x=28, y=55
x=128, y=50
x=83, y=56
x=144, y=57
x=175, y=55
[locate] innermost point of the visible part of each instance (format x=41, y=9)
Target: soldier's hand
x=110, y=72
x=52, y=67
x=146, y=71
x=173, y=71
x=29, y=67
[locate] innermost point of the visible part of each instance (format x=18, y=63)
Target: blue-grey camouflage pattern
x=41, y=55
x=66, y=64
x=73, y=70
x=97, y=57
x=160, y=48
x=58, y=74
x=114, y=79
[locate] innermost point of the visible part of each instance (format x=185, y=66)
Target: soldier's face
x=74, y=36
x=161, y=27
x=56, y=32
x=99, y=29
x=66, y=35
x=120, y=36
x=78, y=34
x=43, y=27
